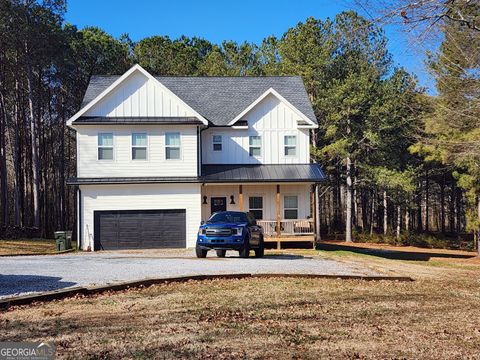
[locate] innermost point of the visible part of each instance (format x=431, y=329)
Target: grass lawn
x=435, y=317
x=31, y=246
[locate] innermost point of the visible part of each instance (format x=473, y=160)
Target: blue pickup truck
x=230, y=230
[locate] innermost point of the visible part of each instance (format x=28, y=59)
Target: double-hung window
x=255, y=206
x=217, y=142
x=290, y=145
x=105, y=146
x=255, y=143
x=139, y=146
x=172, y=146
x=290, y=207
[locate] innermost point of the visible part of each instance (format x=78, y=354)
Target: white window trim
x=263, y=203
x=213, y=143
x=147, y=147
x=255, y=146
x=285, y=146
x=285, y=208
x=106, y=146
x=171, y=146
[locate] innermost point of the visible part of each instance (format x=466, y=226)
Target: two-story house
x=157, y=155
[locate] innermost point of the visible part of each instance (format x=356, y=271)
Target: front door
x=218, y=204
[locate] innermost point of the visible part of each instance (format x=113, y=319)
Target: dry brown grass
x=20, y=247
x=416, y=249
x=435, y=317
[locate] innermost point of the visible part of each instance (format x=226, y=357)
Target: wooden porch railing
x=288, y=227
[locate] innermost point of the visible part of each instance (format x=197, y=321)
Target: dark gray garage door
x=139, y=229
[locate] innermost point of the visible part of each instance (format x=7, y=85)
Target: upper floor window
x=290, y=207
x=255, y=206
x=255, y=145
x=290, y=145
x=105, y=146
x=172, y=146
x=139, y=146
x=217, y=142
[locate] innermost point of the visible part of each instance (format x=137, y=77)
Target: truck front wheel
x=245, y=251
x=201, y=253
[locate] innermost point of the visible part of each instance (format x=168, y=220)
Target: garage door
x=139, y=229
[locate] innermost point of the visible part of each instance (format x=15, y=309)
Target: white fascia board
x=282, y=99
x=117, y=82
x=315, y=126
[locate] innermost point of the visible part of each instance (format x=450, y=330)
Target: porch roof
x=239, y=173
x=235, y=173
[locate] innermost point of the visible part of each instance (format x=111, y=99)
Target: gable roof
x=221, y=99
x=303, y=118
x=116, y=81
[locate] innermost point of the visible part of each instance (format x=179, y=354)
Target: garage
x=139, y=229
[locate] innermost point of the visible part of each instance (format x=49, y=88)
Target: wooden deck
x=292, y=230
x=289, y=238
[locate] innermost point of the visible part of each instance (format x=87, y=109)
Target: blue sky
x=215, y=20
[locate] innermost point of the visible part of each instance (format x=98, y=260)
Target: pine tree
x=453, y=127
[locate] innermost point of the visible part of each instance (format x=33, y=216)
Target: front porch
x=288, y=230
x=285, y=211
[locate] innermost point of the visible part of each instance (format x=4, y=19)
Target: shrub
x=432, y=241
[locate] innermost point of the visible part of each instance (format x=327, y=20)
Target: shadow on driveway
x=16, y=284
x=393, y=254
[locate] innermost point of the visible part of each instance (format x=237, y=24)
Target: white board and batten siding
x=122, y=164
x=139, y=95
x=268, y=192
x=141, y=197
x=272, y=120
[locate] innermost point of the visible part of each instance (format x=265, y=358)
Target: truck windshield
x=228, y=217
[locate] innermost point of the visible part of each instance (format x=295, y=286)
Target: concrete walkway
x=30, y=274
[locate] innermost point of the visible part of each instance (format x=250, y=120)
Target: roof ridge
x=228, y=76
x=105, y=75
x=210, y=77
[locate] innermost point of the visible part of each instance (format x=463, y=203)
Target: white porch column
x=317, y=215
x=278, y=217
x=240, y=197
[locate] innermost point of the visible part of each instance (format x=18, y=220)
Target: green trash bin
x=63, y=240
x=60, y=244
x=68, y=240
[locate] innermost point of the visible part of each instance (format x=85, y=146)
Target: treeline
x=371, y=115
x=45, y=66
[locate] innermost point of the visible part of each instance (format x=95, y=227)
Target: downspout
x=200, y=152
x=79, y=231
x=318, y=237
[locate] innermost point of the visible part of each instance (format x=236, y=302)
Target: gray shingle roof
x=221, y=99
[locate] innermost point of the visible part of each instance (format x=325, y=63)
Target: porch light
x=204, y=200
x=232, y=200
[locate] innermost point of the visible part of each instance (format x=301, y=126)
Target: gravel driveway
x=27, y=274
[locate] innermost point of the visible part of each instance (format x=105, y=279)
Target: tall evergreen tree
x=453, y=127
x=359, y=62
